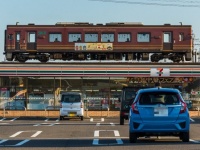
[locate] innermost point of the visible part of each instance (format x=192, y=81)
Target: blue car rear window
x=165, y=98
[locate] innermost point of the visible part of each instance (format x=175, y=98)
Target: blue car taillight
x=183, y=105
x=134, y=108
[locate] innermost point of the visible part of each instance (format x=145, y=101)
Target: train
x=115, y=41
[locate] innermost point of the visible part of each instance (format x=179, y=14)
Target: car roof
x=158, y=89
x=70, y=93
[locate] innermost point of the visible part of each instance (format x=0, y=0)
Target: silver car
x=71, y=105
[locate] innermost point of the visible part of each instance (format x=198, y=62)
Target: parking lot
x=91, y=133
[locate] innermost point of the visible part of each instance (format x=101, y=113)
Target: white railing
x=4, y=110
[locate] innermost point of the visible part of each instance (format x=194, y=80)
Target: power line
x=179, y=1
x=155, y=3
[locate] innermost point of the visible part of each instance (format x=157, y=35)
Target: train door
x=17, y=40
x=167, y=41
x=31, y=43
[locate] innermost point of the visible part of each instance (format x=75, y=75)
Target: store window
x=43, y=93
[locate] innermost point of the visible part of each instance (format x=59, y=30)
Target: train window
x=124, y=37
x=31, y=37
x=55, y=37
x=143, y=37
x=107, y=37
x=91, y=37
x=167, y=37
x=10, y=36
x=181, y=36
x=74, y=37
x=18, y=37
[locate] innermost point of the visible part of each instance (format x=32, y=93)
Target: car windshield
x=71, y=98
x=129, y=95
x=166, y=98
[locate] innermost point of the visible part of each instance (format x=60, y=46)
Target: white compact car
x=71, y=105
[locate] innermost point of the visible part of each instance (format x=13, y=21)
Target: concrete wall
x=52, y=113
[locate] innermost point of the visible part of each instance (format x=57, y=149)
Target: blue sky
x=99, y=11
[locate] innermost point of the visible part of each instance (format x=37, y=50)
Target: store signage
x=160, y=79
x=195, y=92
x=160, y=72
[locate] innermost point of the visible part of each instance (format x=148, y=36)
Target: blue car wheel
x=185, y=136
x=132, y=137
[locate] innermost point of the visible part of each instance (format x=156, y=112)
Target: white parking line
x=192, y=120
x=194, y=141
x=44, y=124
x=98, y=124
x=116, y=132
x=8, y=120
x=102, y=120
x=2, y=119
x=4, y=123
x=96, y=132
x=36, y=134
x=112, y=124
x=16, y=134
x=14, y=119
x=52, y=120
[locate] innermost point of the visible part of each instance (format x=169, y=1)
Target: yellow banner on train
x=93, y=46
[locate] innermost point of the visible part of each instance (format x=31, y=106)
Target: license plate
x=72, y=114
x=161, y=111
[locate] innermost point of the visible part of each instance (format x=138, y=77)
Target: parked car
x=189, y=104
x=71, y=105
x=159, y=112
x=127, y=97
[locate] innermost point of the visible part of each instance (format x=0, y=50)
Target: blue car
x=159, y=112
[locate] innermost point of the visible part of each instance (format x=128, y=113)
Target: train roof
x=78, y=24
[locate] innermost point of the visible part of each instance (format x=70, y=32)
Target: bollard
x=108, y=112
x=4, y=112
x=87, y=112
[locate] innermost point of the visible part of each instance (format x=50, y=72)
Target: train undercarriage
x=45, y=57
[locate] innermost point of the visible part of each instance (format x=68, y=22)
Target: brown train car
x=86, y=41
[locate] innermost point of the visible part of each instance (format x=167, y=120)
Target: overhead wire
x=176, y=3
